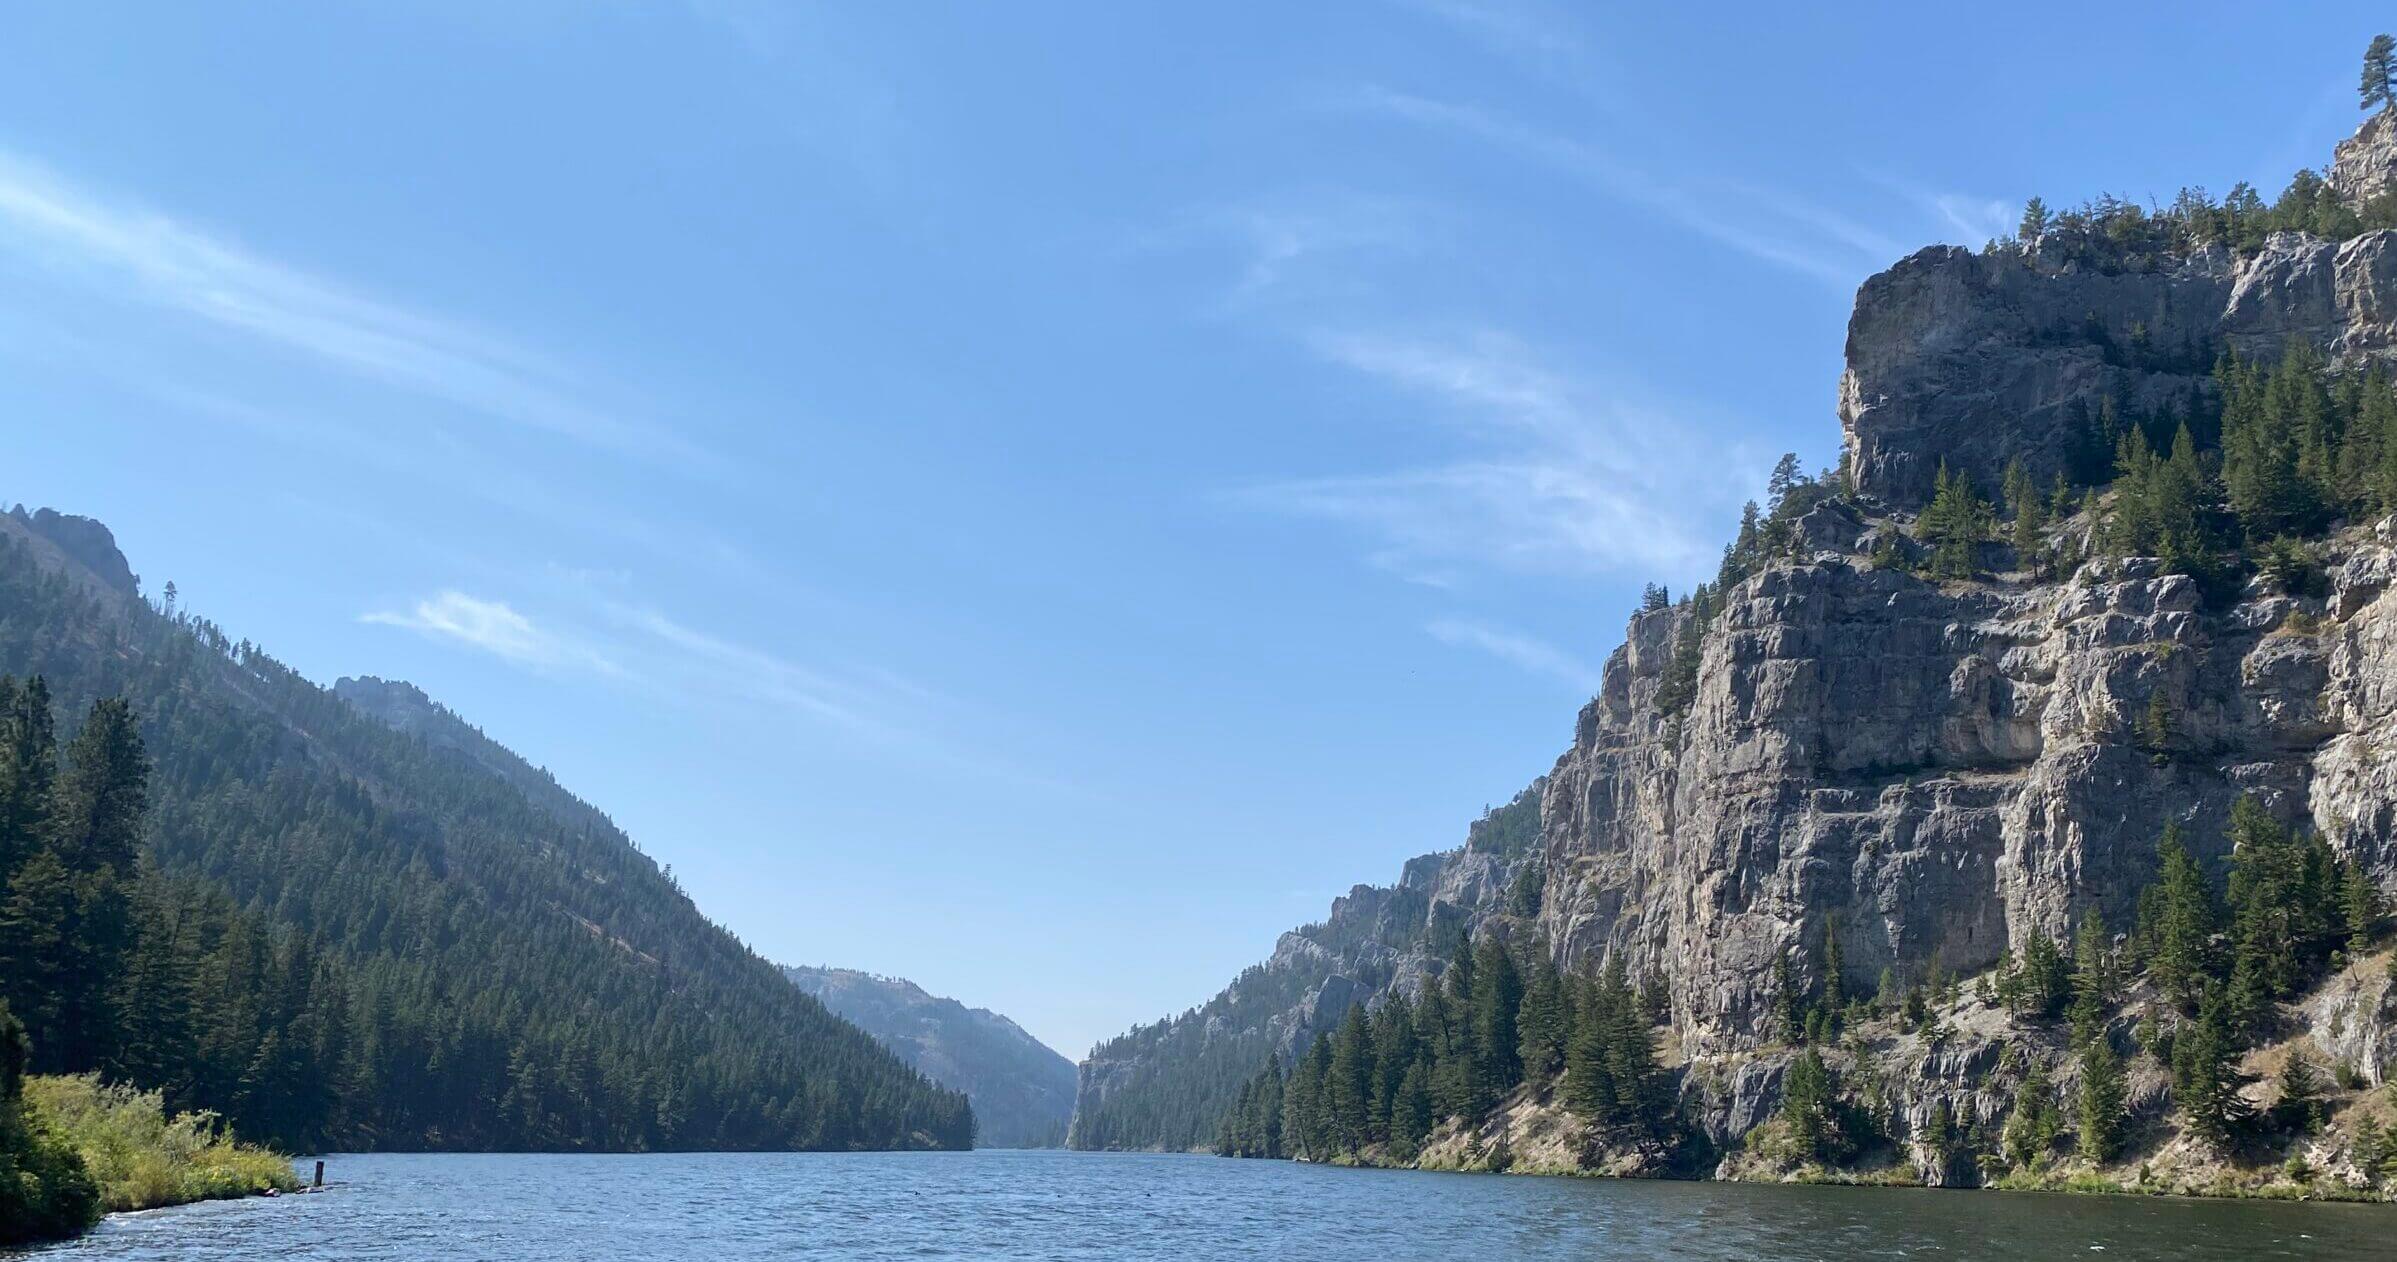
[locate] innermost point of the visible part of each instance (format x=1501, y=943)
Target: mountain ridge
x=471, y=969
x=1022, y=1089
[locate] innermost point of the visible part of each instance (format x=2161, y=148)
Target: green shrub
x=45, y=1193
x=140, y=1157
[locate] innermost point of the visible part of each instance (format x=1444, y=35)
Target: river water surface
x=723, y=1208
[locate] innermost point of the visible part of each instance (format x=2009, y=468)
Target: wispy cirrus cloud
x=1558, y=474
x=494, y=627
x=127, y=249
x=1962, y=218
x=867, y=700
x=1528, y=652
x=1775, y=227
x=591, y=632
x=1537, y=34
x=1281, y=237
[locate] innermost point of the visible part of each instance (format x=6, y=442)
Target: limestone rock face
x=1936, y=773
x=2364, y=166
x=2353, y=1019
x=1976, y=359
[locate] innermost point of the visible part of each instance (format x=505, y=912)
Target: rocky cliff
x=1936, y=772
x=1022, y=1092
x=1977, y=358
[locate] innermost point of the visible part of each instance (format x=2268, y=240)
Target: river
x=1058, y=1205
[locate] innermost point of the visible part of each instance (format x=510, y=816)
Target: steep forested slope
x=353, y=936
x=1023, y=1092
x=1166, y=1085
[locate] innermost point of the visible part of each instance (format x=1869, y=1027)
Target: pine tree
x=1305, y=1131
x=1679, y=687
x=37, y=972
x=1411, y=1111
x=2034, y=222
x=2038, y=985
x=1541, y=1021
x=1787, y=476
x=2380, y=74
x=2276, y=444
x=1630, y=1053
x=2299, y=1106
x=2180, y=918
x=1954, y=524
x=2102, y=1098
x=1832, y=999
x=1810, y=1109
x=2031, y=1129
x=1348, y=1085
x=2093, y=981
x=1589, y=1083
x=2205, y=1074
x=2030, y=516
x=102, y=799
x=1498, y=997
x=2359, y=905
x=1396, y=1047
x=28, y=765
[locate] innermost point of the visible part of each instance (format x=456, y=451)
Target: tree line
x=2239, y=481
x=1498, y=1018
x=2218, y=955
x=1166, y=1085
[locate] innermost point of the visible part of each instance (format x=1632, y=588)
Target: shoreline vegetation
x=73, y=1149
x=143, y=1158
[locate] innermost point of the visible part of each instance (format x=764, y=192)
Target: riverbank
x=137, y=1157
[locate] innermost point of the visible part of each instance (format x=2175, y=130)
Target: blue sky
x=1035, y=498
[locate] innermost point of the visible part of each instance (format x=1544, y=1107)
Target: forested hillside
x=1166, y=1085
x=1022, y=1091
x=338, y=934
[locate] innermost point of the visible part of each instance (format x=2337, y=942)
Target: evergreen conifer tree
x=2093, y=982
x=2101, y=1102
x=1954, y=524
x=2379, y=86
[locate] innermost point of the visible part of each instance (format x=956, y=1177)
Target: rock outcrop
x=1937, y=772
x=1978, y=359
x=83, y=541
x=2364, y=166
x=1934, y=773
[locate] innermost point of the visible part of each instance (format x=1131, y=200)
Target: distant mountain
x=366, y=925
x=1023, y=1092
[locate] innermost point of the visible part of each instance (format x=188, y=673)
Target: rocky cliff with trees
x=2016, y=804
